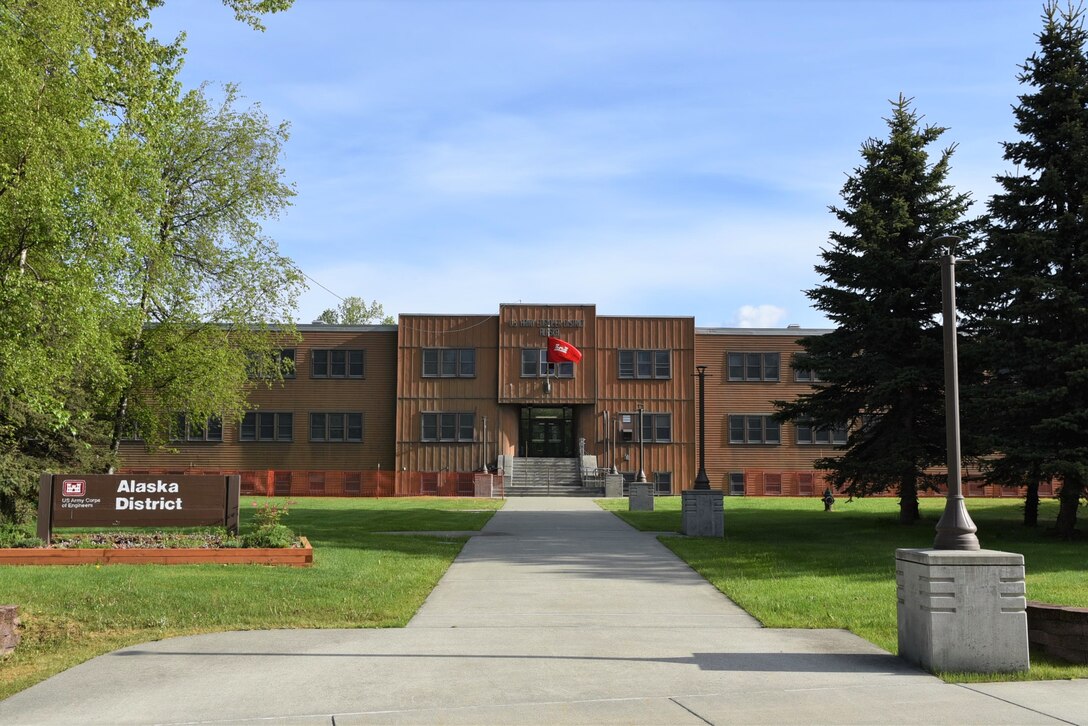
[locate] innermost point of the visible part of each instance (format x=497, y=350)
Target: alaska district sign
x=76, y=500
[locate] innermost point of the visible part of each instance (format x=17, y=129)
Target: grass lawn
x=359, y=579
x=791, y=565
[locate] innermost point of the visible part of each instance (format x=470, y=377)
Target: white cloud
x=759, y=316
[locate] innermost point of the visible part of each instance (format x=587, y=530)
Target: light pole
x=641, y=479
x=955, y=530
x=702, y=481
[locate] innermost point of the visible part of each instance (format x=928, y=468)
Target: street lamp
x=702, y=481
x=641, y=479
x=955, y=530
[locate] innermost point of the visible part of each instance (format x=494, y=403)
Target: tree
x=207, y=279
x=88, y=103
x=1034, y=324
x=355, y=311
x=881, y=367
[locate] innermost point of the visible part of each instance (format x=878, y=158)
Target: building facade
x=400, y=409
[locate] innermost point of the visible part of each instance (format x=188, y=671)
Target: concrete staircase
x=541, y=477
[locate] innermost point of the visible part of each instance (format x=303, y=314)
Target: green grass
x=791, y=565
x=359, y=580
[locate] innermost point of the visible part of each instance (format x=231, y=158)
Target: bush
x=276, y=535
x=18, y=535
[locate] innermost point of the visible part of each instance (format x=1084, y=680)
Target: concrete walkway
x=557, y=614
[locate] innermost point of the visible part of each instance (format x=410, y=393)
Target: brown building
x=418, y=407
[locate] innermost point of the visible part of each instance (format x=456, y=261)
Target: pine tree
x=1035, y=322
x=882, y=367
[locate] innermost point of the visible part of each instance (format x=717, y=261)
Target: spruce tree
x=1035, y=322
x=882, y=366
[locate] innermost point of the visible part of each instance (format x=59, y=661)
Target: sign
x=126, y=500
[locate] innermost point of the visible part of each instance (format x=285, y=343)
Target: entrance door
x=547, y=432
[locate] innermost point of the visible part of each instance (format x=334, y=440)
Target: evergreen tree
x=882, y=367
x=1035, y=321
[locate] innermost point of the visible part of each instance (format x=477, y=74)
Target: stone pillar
x=9, y=628
x=702, y=513
x=962, y=610
x=640, y=497
x=613, y=485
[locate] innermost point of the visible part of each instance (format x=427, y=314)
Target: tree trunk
x=1069, y=499
x=908, y=500
x=1031, y=505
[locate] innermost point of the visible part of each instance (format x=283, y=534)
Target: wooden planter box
x=292, y=556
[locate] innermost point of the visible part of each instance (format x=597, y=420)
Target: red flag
x=561, y=350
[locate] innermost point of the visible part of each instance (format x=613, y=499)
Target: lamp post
x=955, y=530
x=702, y=481
x=641, y=479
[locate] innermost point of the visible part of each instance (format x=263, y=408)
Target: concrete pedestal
x=640, y=497
x=613, y=485
x=961, y=610
x=702, y=513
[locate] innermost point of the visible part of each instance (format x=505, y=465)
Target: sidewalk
x=558, y=613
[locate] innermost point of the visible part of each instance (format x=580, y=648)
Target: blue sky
x=666, y=157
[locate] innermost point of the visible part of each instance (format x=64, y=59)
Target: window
x=262, y=426
x=258, y=364
x=805, y=486
x=663, y=482
x=657, y=427
x=736, y=483
x=753, y=366
x=336, y=427
x=440, y=426
x=534, y=364
x=317, y=482
x=645, y=364
x=772, y=484
x=808, y=434
x=753, y=429
x=186, y=428
x=449, y=362
x=336, y=363
x=352, y=482
x=210, y=429
x=807, y=376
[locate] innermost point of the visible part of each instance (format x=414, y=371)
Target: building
x=420, y=406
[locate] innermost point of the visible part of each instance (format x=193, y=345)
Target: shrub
x=18, y=535
x=276, y=535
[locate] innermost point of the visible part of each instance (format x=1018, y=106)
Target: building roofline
x=792, y=332
x=316, y=327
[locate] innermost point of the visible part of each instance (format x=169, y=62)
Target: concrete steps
x=545, y=477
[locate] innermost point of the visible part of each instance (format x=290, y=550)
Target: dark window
x=337, y=363
x=185, y=428
x=317, y=482
x=808, y=434
x=663, y=482
x=753, y=366
x=266, y=426
x=258, y=365
x=449, y=362
x=352, y=482
x=807, y=376
x=336, y=427
x=772, y=484
x=443, y=426
x=754, y=429
x=656, y=427
x=534, y=364
x=736, y=483
x=645, y=364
